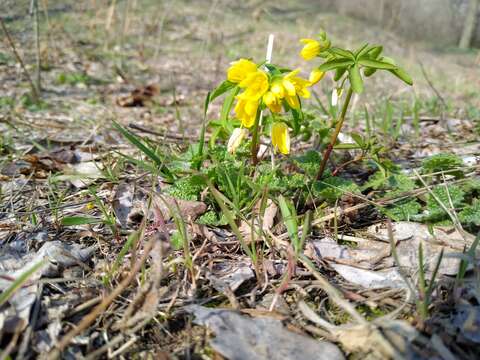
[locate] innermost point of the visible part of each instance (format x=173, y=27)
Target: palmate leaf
x=355, y=79
x=335, y=64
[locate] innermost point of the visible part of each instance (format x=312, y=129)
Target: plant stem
x=255, y=136
x=333, y=140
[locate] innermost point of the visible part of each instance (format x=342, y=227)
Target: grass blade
x=19, y=281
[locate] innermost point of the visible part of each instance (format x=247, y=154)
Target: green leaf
x=361, y=50
x=470, y=214
x=222, y=201
x=346, y=146
x=206, y=103
x=342, y=53
x=375, y=52
x=335, y=64
x=435, y=211
x=131, y=242
x=356, y=79
x=442, y=162
x=402, y=75
x=404, y=210
x=358, y=139
x=79, y=220
x=376, y=64
x=176, y=240
x=339, y=73
x=227, y=106
x=297, y=116
x=187, y=188
x=372, y=52
x=134, y=140
x=309, y=162
x=196, y=163
x=221, y=89
x=290, y=219
x=332, y=188
x=369, y=71
x=214, y=136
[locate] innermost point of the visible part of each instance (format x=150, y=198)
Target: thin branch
x=430, y=83
x=20, y=61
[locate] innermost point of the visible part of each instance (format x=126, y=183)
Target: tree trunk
x=469, y=26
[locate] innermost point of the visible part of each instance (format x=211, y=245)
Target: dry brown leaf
x=138, y=96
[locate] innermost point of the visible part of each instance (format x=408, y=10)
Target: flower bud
x=336, y=94
x=236, y=139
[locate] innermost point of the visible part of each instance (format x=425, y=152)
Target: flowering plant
x=253, y=88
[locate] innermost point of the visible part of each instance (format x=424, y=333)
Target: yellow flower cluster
x=311, y=49
x=259, y=87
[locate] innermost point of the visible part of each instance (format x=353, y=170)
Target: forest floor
x=110, y=246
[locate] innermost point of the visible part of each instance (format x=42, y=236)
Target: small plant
x=262, y=104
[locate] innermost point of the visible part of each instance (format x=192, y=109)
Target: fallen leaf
x=410, y=234
x=370, y=279
x=232, y=275
x=188, y=210
x=138, y=96
x=240, y=337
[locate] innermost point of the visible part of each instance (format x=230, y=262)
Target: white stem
x=269, y=48
x=268, y=59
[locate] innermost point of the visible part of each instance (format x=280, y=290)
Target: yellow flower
x=295, y=86
x=246, y=111
x=280, y=137
x=236, y=139
x=240, y=69
x=255, y=84
x=311, y=48
x=289, y=88
x=272, y=101
x=277, y=88
x=315, y=76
